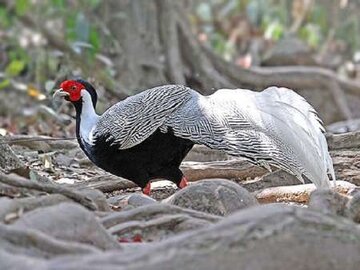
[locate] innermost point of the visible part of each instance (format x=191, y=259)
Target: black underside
x=159, y=156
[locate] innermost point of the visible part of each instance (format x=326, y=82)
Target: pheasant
x=146, y=136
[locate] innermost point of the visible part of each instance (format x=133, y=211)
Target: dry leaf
x=35, y=93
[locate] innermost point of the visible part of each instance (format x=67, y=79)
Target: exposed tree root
x=153, y=210
x=18, y=181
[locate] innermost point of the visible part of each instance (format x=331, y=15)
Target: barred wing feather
x=133, y=120
x=273, y=127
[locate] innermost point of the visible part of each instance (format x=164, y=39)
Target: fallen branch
x=41, y=142
x=296, y=193
x=230, y=169
x=17, y=181
x=106, y=183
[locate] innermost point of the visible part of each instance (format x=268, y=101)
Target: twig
x=17, y=181
x=24, y=138
x=40, y=142
x=105, y=183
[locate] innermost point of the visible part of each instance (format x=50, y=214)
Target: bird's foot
x=183, y=183
x=146, y=190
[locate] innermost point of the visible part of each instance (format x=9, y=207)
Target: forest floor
x=44, y=226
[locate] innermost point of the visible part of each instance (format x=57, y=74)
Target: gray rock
x=289, y=51
x=353, y=208
x=344, y=126
x=215, y=196
x=328, y=202
x=271, y=179
x=130, y=200
x=63, y=160
x=98, y=198
x=9, y=162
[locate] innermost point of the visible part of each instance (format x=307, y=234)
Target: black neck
x=78, y=108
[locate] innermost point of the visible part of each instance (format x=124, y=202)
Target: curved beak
x=60, y=93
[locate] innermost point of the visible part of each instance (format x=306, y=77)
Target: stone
x=9, y=162
x=98, y=198
x=353, y=208
x=129, y=201
x=215, y=196
x=328, y=201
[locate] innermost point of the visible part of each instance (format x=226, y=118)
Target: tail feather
x=275, y=126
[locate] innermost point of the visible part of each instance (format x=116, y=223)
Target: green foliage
x=22, y=6
x=350, y=31
x=59, y=4
x=94, y=38
x=227, y=26
x=79, y=29
x=4, y=83
x=311, y=33
x=274, y=30
x=274, y=19
x=92, y=3
x=4, y=18
x=15, y=67
x=318, y=16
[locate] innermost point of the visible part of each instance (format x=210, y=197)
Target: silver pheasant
x=274, y=127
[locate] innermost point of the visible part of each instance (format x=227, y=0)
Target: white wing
x=273, y=127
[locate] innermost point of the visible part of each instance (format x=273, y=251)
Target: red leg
x=183, y=183
x=147, y=188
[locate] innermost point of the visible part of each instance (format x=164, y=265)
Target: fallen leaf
x=32, y=91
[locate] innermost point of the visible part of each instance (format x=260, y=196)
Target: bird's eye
x=73, y=87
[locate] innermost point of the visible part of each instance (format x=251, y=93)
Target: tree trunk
x=154, y=45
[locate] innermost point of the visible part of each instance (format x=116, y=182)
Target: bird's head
x=74, y=91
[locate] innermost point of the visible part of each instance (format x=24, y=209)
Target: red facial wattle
x=73, y=88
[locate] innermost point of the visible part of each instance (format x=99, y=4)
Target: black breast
x=159, y=156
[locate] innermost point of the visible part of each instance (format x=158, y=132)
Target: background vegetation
x=43, y=42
